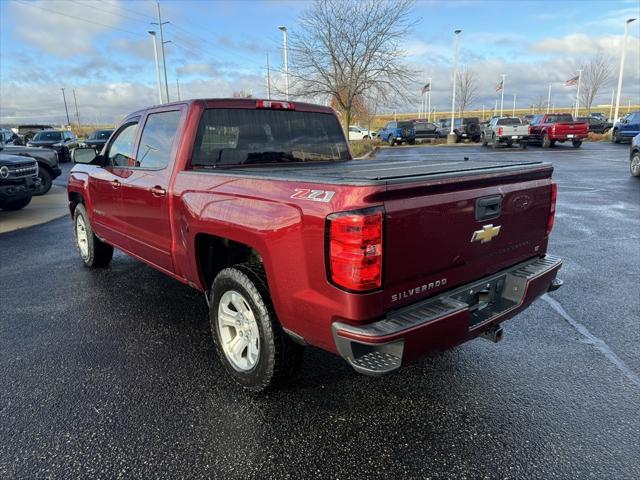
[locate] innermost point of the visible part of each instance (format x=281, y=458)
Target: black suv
x=62, y=141
x=18, y=181
x=97, y=139
x=47, y=158
x=463, y=128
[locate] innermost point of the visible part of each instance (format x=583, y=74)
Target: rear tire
x=546, y=143
x=484, y=140
x=93, y=251
x=13, y=205
x=494, y=142
x=249, y=340
x=634, y=164
x=576, y=143
x=523, y=145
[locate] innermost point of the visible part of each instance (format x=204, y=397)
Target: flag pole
x=578, y=94
x=429, y=101
x=502, y=94
x=549, y=98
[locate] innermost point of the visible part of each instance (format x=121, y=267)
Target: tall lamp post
x=451, y=138
x=429, y=101
x=549, y=98
x=155, y=56
x=502, y=93
x=283, y=29
x=624, y=51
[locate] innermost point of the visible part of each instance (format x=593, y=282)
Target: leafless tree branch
x=595, y=75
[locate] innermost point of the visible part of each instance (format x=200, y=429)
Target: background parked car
x=505, y=131
x=464, y=128
x=596, y=124
x=18, y=181
x=634, y=156
x=98, y=138
x=48, y=166
x=358, y=133
x=627, y=128
x=557, y=127
x=397, y=133
x=8, y=137
x=425, y=130
x=62, y=141
x=599, y=115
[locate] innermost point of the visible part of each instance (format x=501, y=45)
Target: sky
x=101, y=49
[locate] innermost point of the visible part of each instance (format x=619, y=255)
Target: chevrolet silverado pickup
x=505, y=131
x=557, y=127
x=259, y=205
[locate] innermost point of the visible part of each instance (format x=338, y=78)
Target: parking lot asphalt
x=112, y=373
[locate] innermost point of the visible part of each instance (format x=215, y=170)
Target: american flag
x=500, y=86
x=572, y=81
x=426, y=88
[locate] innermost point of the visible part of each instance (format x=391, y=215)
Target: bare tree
x=539, y=104
x=351, y=50
x=595, y=75
x=467, y=89
x=242, y=94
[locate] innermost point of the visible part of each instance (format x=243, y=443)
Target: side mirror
x=85, y=155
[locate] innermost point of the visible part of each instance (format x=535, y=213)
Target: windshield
x=228, y=137
x=46, y=136
x=564, y=117
x=101, y=135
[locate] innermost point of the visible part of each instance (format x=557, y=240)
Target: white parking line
x=593, y=340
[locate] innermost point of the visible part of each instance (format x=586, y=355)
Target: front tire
x=546, y=143
x=616, y=138
x=634, y=164
x=13, y=205
x=250, y=342
x=45, y=182
x=391, y=140
x=93, y=251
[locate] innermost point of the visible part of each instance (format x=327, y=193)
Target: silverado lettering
x=376, y=266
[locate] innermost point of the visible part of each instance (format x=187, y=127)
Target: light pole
x=268, y=78
x=549, y=98
x=283, y=29
x=162, y=42
x=155, y=56
x=502, y=93
x=613, y=94
x=75, y=101
x=65, y=106
x=624, y=50
x=513, y=114
x=451, y=138
x=578, y=94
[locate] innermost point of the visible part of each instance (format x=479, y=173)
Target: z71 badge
x=313, y=195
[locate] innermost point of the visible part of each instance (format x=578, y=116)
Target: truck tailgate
x=514, y=130
x=573, y=128
x=441, y=235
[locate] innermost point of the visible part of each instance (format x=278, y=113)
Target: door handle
x=158, y=191
x=115, y=184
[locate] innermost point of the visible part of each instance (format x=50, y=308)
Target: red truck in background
x=259, y=205
x=557, y=127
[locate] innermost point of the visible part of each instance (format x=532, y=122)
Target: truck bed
x=387, y=171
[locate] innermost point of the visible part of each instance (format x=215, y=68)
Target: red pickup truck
x=259, y=205
x=557, y=127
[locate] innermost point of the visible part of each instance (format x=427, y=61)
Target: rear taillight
x=552, y=208
x=355, y=249
x=500, y=130
x=275, y=105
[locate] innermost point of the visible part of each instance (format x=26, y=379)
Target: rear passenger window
x=157, y=140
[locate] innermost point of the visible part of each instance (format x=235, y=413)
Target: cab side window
x=120, y=152
x=157, y=138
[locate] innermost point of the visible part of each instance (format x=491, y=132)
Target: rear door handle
x=115, y=184
x=158, y=191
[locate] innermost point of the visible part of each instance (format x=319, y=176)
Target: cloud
x=579, y=44
x=56, y=27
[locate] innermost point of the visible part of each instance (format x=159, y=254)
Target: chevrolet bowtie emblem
x=486, y=234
